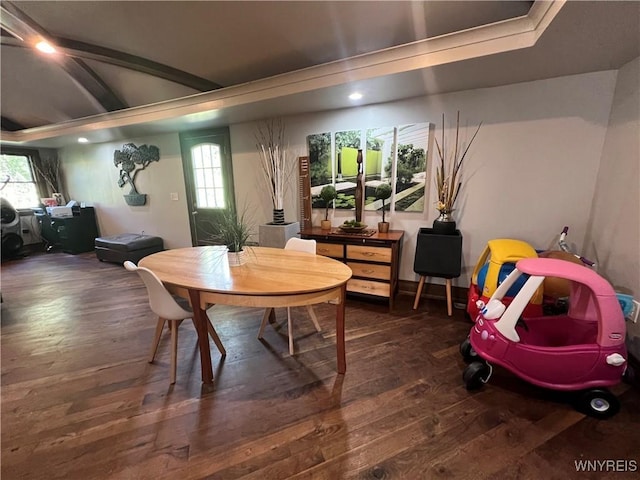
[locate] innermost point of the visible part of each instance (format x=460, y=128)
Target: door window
x=207, y=176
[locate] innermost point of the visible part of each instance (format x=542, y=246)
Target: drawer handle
x=367, y=271
x=368, y=254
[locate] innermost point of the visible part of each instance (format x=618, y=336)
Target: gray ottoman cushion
x=127, y=246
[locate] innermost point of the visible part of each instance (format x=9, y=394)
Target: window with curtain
x=18, y=180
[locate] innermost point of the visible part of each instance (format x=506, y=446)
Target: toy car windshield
x=508, y=317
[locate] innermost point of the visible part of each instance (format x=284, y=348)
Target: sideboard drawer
x=374, y=258
x=368, y=287
x=370, y=270
x=369, y=254
x=330, y=249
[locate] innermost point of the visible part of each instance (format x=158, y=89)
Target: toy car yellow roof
x=507, y=250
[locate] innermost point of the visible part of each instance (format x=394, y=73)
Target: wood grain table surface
x=271, y=277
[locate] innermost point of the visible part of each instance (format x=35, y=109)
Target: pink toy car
x=582, y=350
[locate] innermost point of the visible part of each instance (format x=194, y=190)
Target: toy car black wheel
x=630, y=375
x=475, y=375
x=598, y=403
x=467, y=351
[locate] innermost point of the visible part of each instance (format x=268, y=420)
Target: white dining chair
x=164, y=305
x=300, y=245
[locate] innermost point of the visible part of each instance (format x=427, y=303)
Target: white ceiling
x=278, y=58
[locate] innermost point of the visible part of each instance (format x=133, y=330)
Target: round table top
x=268, y=271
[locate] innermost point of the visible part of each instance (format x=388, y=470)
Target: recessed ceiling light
x=83, y=140
x=355, y=96
x=45, y=47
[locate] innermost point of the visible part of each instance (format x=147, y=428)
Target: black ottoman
x=127, y=246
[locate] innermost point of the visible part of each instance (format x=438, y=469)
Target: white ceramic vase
x=237, y=258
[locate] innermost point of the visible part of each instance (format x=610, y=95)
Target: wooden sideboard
x=374, y=259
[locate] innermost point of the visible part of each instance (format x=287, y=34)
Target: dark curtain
x=46, y=173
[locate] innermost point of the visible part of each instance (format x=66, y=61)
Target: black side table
x=437, y=255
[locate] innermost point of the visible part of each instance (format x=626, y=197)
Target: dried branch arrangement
x=49, y=169
x=276, y=161
x=447, y=179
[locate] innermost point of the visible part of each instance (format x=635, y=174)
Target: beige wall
x=92, y=177
x=532, y=169
x=613, y=237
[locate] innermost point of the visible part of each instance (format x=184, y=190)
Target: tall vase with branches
x=448, y=173
x=277, y=164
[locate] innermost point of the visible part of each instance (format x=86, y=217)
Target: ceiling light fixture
x=355, y=96
x=83, y=140
x=45, y=47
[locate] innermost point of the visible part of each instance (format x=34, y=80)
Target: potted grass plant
x=233, y=229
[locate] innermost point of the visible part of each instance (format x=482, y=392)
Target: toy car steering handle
x=565, y=248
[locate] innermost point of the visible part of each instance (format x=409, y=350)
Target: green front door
x=208, y=172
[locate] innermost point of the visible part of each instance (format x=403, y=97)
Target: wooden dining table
x=271, y=277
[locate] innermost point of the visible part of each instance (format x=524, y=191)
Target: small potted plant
x=233, y=230
x=383, y=192
x=328, y=194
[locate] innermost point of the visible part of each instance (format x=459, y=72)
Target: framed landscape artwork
x=396, y=155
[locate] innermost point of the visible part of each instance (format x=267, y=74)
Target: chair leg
x=156, y=338
x=290, y=331
x=314, y=319
x=419, y=292
x=265, y=318
x=216, y=339
x=174, y=350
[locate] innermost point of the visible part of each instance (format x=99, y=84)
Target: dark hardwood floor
x=80, y=401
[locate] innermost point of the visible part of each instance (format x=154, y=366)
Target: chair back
x=161, y=301
x=300, y=245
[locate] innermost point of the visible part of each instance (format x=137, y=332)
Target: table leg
x=269, y=315
x=200, y=321
x=448, y=287
x=340, y=348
